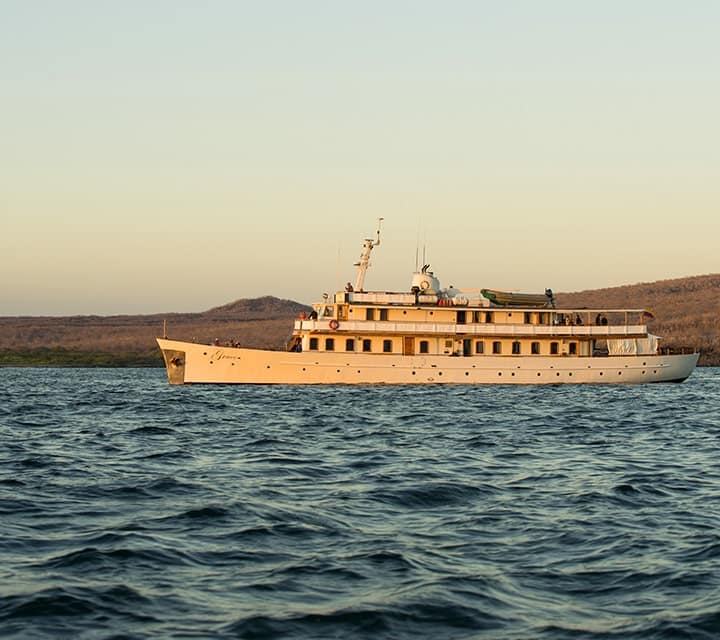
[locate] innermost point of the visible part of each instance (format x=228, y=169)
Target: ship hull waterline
x=193, y=363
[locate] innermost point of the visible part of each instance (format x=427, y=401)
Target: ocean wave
x=146, y=511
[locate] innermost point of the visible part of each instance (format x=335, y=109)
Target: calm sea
x=133, y=509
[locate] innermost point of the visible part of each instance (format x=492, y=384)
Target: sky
x=163, y=156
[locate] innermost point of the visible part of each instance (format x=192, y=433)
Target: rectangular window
x=461, y=317
x=387, y=346
x=383, y=314
x=479, y=346
x=329, y=344
x=488, y=317
x=554, y=348
x=424, y=346
x=573, y=349
x=476, y=316
x=367, y=345
x=349, y=344
x=369, y=314
x=313, y=344
x=497, y=347
x=516, y=348
x=535, y=348
x=528, y=317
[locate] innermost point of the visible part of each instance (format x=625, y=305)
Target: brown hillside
x=686, y=310
x=264, y=323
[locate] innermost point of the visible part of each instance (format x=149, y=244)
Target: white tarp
x=633, y=346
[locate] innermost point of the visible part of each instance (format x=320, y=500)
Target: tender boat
x=430, y=335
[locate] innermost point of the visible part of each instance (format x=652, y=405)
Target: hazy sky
x=175, y=156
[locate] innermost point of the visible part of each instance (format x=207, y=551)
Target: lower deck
x=470, y=346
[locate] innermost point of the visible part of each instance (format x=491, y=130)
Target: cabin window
x=488, y=317
x=387, y=346
x=328, y=311
x=479, y=346
x=497, y=347
x=329, y=344
x=369, y=314
x=535, y=348
x=383, y=314
x=476, y=316
x=349, y=344
x=572, y=350
x=554, y=348
x=461, y=317
x=367, y=344
x=424, y=346
x=516, y=348
x=528, y=317
x=313, y=344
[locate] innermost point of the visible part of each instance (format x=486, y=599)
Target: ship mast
x=364, y=263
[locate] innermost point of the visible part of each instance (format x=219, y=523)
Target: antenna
x=417, y=248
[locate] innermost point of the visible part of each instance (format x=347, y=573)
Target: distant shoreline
x=70, y=358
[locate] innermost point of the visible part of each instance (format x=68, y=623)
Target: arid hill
x=264, y=323
x=686, y=310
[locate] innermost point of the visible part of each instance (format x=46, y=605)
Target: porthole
x=570, y=374
x=538, y=374
x=513, y=374
x=499, y=373
x=338, y=370
x=268, y=366
x=467, y=373
x=619, y=373
x=558, y=374
x=601, y=373
x=304, y=369
x=413, y=373
x=439, y=373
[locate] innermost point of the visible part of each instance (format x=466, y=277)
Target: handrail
x=479, y=329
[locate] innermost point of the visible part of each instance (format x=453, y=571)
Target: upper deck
x=401, y=313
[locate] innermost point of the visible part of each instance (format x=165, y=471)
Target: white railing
x=362, y=327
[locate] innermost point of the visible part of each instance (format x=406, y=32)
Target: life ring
x=424, y=285
x=334, y=324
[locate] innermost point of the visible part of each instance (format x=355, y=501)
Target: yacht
x=429, y=334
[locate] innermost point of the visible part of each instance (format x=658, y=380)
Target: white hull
x=192, y=363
